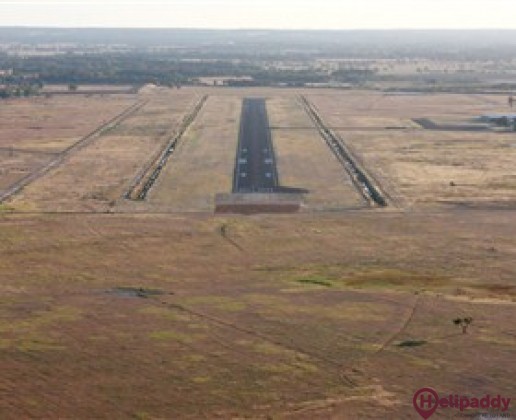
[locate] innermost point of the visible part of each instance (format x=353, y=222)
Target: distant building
x=7, y=72
x=502, y=120
x=227, y=81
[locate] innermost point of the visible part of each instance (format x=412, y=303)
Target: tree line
x=136, y=69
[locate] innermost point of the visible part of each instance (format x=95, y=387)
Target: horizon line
x=271, y=29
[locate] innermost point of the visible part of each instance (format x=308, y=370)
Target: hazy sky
x=300, y=14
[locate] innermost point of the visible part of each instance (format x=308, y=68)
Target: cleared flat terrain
x=425, y=168
x=375, y=109
x=33, y=131
x=52, y=124
x=299, y=316
x=419, y=167
x=304, y=160
x=16, y=164
x=203, y=164
x=95, y=177
x=162, y=309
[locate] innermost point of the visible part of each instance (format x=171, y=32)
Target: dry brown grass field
x=95, y=177
x=419, y=167
x=55, y=123
x=162, y=309
x=203, y=164
x=304, y=160
x=33, y=130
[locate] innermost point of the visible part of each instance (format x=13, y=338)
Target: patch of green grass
x=195, y=358
x=306, y=367
x=271, y=349
x=4, y=208
x=277, y=368
x=32, y=333
x=41, y=320
x=420, y=362
x=268, y=348
x=38, y=344
x=98, y=338
x=363, y=276
x=201, y=379
x=393, y=278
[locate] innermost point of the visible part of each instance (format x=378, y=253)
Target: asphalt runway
x=255, y=166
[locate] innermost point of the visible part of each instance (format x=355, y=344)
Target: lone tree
x=464, y=323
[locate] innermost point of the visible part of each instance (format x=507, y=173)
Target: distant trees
x=353, y=75
x=13, y=90
x=15, y=84
x=169, y=70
